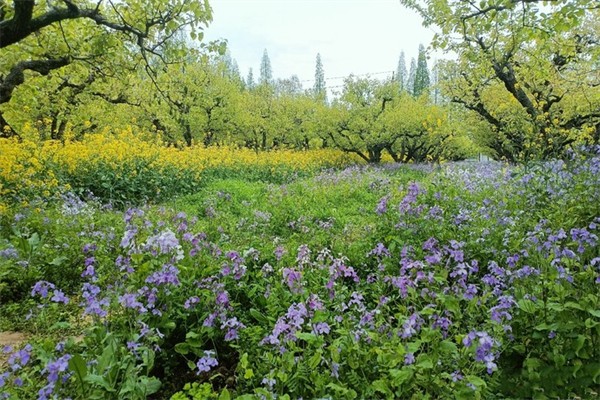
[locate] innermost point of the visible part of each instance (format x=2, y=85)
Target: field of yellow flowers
x=124, y=166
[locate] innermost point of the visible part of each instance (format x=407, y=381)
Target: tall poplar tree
x=422, y=73
x=410, y=81
x=436, y=94
x=250, y=79
x=319, y=87
x=401, y=73
x=266, y=73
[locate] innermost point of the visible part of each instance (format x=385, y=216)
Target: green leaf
x=225, y=395
x=148, y=359
x=589, y=323
x=448, y=346
x=60, y=325
x=425, y=363
x=579, y=343
x=260, y=317
x=58, y=261
x=527, y=305
x=381, y=386
x=532, y=363
x=571, y=304
x=100, y=381
x=476, y=381
x=182, y=348
x=595, y=313
x=151, y=385
x=401, y=376
x=315, y=360
x=33, y=241
x=308, y=337
x=78, y=366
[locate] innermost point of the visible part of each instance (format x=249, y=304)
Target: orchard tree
x=254, y=119
x=423, y=132
x=39, y=37
x=290, y=86
x=353, y=124
x=530, y=65
x=197, y=102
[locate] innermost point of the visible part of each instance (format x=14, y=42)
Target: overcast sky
x=353, y=36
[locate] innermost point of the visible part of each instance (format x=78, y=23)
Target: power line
x=344, y=77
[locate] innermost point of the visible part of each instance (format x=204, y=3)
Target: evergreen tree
x=231, y=70
x=422, y=74
x=266, y=73
x=235, y=71
x=250, y=79
x=319, y=87
x=401, y=72
x=410, y=81
x=436, y=96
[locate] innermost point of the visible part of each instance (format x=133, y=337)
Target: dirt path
x=13, y=339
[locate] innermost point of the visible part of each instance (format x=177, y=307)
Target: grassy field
x=466, y=281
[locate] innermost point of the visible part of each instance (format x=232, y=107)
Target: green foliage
x=372, y=118
x=530, y=72
x=88, y=40
x=362, y=283
x=266, y=72
x=319, y=87
x=422, y=81
x=401, y=72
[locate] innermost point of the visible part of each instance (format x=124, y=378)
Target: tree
x=421, y=131
x=319, y=87
x=266, y=73
x=353, y=123
x=410, y=81
x=231, y=68
x=401, y=73
x=250, y=80
x=290, y=86
x=531, y=74
x=41, y=37
x=421, y=74
x=436, y=94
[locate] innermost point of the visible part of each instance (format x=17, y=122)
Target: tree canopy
x=103, y=36
x=527, y=67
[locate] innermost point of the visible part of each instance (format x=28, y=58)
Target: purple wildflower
x=59, y=297
x=279, y=252
x=54, y=368
x=321, y=328
x=293, y=279
x=42, y=288
x=207, y=362
x=382, y=205
x=411, y=326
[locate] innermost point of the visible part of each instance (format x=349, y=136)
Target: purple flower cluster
x=207, y=361
x=287, y=326
x=484, y=351
x=293, y=279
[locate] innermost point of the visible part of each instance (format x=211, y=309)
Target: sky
x=353, y=36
